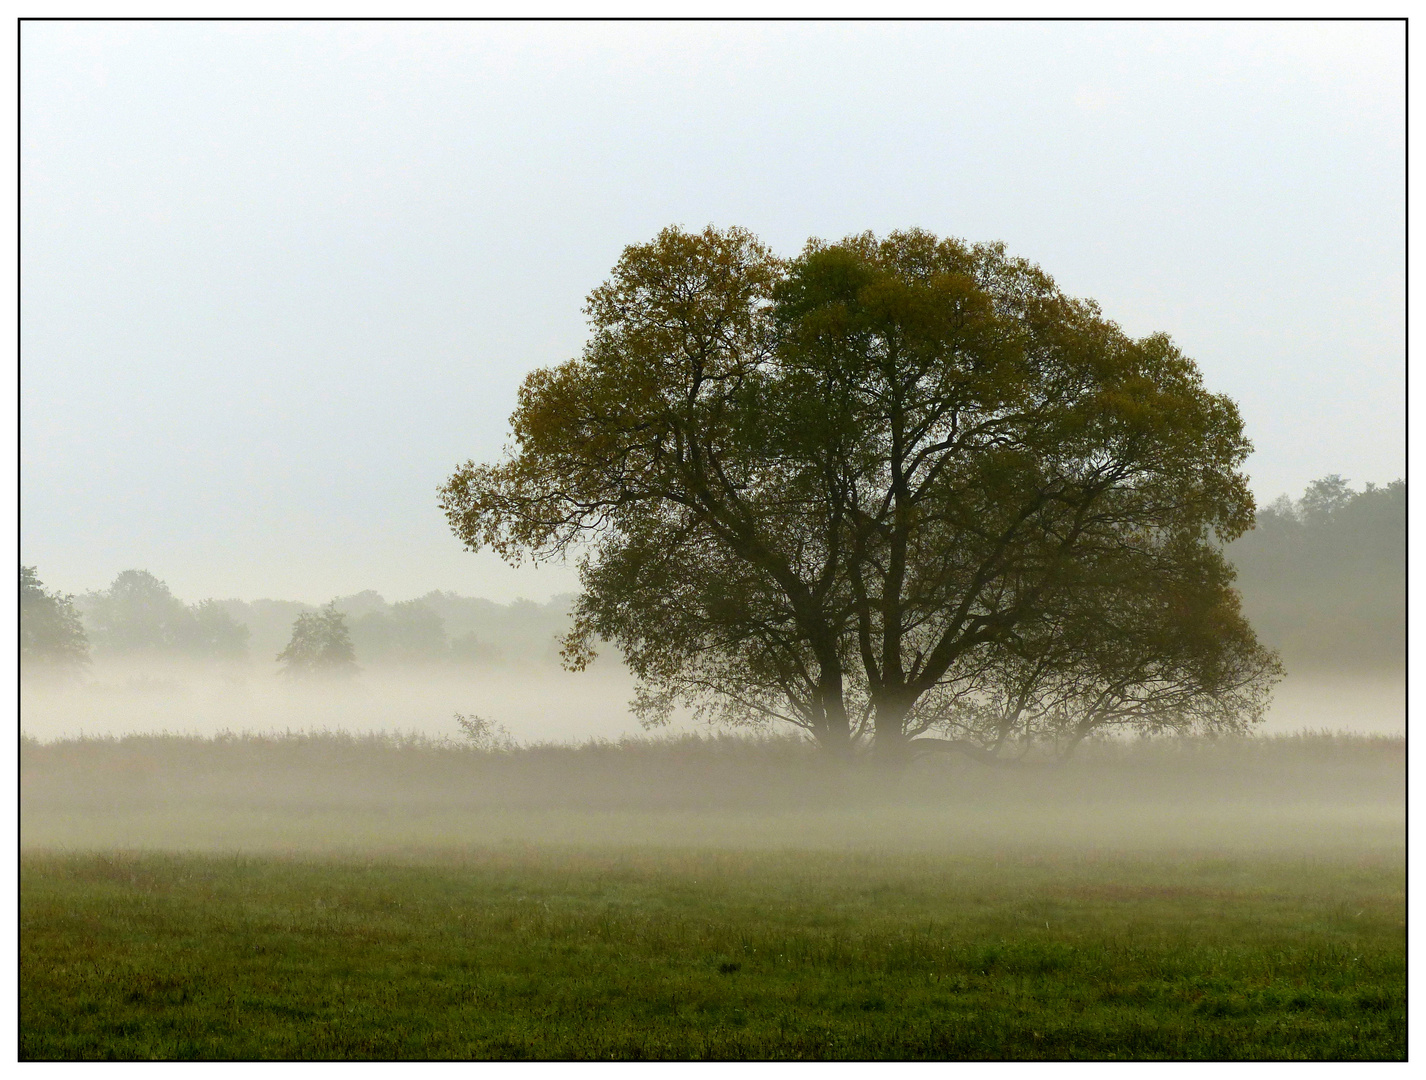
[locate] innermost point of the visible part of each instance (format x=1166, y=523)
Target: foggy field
x=335, y=792
x=383, y=897
x=768, y=540
x=221, y=863
x=537, y=704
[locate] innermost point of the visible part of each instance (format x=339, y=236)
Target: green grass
x=557, y=952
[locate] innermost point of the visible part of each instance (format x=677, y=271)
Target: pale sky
x=278, y=279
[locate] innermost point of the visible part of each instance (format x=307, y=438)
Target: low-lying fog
x=535, y=703
x=398, y=794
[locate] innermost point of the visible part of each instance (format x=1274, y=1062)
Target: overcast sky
x=278, y=279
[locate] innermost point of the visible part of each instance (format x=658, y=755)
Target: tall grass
x=688, y=771
x=305, y=788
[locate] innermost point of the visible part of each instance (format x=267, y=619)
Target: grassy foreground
x=550, y=952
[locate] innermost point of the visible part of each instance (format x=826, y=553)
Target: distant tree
x=418, y=633
x=468, y=648
x=366, y=602
x=1323, y=577
x=216, y=634
x=138, y=614
x=320, y=646
x=1324, y=498
x=402, y=633
x=520, y=632
x=406, y=632
x=371, y=634
x=52, y=640
x=269, y=622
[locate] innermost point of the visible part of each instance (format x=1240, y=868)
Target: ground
x=338, y=899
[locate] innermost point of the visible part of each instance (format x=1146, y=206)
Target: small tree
x=485, y=734
x=52, y=641
x=320, y=646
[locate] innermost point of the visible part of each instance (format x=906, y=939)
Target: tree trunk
x=834, y=729
x=836, y=734
x=891, y=748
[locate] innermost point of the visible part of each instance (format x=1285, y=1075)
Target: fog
x=1364, y=702
x=391, y=795
x=380, y=765
x=536, y=702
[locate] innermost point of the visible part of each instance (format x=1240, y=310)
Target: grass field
x=1263, y=917
x=653, y=954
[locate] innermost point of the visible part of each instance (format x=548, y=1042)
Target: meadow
x=342, y=897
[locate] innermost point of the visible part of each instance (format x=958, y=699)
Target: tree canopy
x=52, y=640
x=874, y=489
x=138, y=615
x=321, y=646
x=405, y=632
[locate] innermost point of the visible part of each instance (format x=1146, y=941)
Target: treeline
x=437, y=628
x=1323, y=577
x=138, y=618
x=52, y=638
x=137, y=615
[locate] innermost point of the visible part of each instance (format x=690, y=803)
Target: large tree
x=836, y=488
